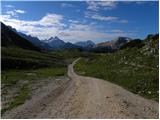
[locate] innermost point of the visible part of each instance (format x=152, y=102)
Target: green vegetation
x=13, y=76
x=130, y=68
x=135, y=67
x=16, y=58
x=10, y=78
x=71, y=54
x=24, y=93
x=21, y=66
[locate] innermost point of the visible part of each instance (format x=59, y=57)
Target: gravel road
x=85, y=97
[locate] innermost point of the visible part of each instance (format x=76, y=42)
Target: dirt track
x=85, y=97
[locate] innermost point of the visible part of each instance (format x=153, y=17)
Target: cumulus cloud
x=79, y=32
x=47, y=26
x=52, y=25
x=97, y=5
x=51, y=19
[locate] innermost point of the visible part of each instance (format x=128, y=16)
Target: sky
x=74, y=21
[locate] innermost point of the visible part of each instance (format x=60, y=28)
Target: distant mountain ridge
x=69, y=45
x=55, y=42
x=85, y=44
x=36, y=41
x=13, y=38
x=116, y=43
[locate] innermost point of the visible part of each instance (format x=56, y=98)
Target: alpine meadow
x=79, y=59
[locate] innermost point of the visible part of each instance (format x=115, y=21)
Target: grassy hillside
x=134, y=69
x=22, y=69
x=16, y=58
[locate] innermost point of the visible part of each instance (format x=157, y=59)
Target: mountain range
x=35, y=41
x=13, y=38
x=85, y=44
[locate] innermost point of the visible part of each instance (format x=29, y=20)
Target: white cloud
x=48, y=20
x=103, y=18
x=96, y=16
x=9, y=6
x=47, y=26
x=94, y=35
x=80, y=32
x=14, y=13
x=97, y=5
x=52, y=25
x=20, y=11
x=51, y=19
x=80, y=27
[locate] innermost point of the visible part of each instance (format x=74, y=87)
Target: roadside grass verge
x=12, y=76
x=130, y=69
x=22, y=69
x=22, y=80
x=23, y=95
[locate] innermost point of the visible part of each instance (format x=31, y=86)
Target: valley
x=57, y=79
x=84, y=97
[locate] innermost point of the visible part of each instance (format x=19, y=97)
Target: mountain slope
x=134, y=43
x=55, y=42
x=115, y=44
x=135, y=68
x=11, y=39
x=85, y=44
x=36, y=41
x=69, y=45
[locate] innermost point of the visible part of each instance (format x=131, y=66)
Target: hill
x=135, y=67
x=10, y=38
x=134, y=43
x=116, y=43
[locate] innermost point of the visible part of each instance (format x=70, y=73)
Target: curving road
x=87, y=97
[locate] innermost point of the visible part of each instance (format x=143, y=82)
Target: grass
x=13, y=76
x=71, y=54
x=10, y=79
x=20, y=65
x=16, y=58
x=23, y=94
x=128, y=68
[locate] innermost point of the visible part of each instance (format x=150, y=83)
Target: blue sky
x=81, y=20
